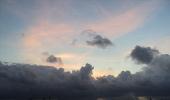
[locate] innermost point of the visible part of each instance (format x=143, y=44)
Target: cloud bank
x=35, y=81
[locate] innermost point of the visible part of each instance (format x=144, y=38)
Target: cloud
x=50, y=25
x=125, y=22
x=35, y=81
x=100, y=42
x=23, y=80
x=92, y=38
x=45, y=32
x=143, y=54
x=53, y=59
x=158, y=70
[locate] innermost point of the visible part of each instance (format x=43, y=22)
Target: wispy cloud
x=45, y=32
x=128, y=21
x=50, y=24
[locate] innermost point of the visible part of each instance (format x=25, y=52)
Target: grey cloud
x=53, y=59
x=155, y=76
x=158, y=70
x=100, y=42
x=93, y=38
x=96, y=40
x=35, y=81
x=143, y=54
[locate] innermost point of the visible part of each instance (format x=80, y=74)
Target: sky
x=71, y=33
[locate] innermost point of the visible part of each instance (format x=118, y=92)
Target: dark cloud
x=143, y=54
x=53, y=59
x=36, y=81
x=93, y=38
x=100, y=42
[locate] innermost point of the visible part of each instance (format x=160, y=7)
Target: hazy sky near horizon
x=31, y=30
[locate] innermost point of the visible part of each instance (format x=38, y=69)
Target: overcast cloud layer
x=35, y=81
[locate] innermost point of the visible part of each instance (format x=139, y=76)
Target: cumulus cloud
x=52, y=58
x=92, y=38
x=36, y=81
x=99, y=41
x=143, y=54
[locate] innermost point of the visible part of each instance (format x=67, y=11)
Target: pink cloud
x=46, y=32
x=44, y=36
x=125, y=22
